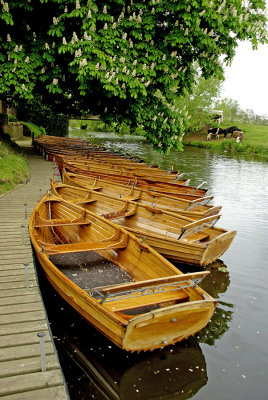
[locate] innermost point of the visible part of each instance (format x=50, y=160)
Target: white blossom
x=55, y=21
x=78, y=53
x=144, y=67
x=65, y=9
x=47, y=46
x=114, y=25
x=124, y=70
x=105, y=10
x=83, y=62
x=77, y=4
x=28, y=27
x=202, y=13
x=55, y=81
x=8, y=38
x=74, y=38
x=154, y=118
x=5, y=7
x=134, y=62
x=27, y=60
x=89, y=15
x=186, y=32
x=24, y=87
x=64, y=40
x=164, y=57
x=147, y=83
x=123, y=85
x=153, y=11
x=105, y=26
x=133, y=72
x=43, y=70
x=124, y=37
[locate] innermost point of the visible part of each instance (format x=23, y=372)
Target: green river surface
x=228, y=359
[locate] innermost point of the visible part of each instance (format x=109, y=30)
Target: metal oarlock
x=22, y=234
x=41, y=336
x=25, y=210
x=26, y=275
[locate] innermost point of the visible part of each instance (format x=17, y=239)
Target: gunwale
x=124, y=330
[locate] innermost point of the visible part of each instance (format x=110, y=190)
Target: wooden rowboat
x=87, y=178
x=173, y=235
x=134, y=296
x=173, y=187
x=196, y=209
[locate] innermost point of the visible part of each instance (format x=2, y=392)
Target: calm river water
x=229, y=358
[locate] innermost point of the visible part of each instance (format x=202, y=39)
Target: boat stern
x=167, y=325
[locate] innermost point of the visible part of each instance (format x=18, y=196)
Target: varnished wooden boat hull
x=49, y=227
x=161, y=229
x=72, y=177
x=149, y=183
x=195, y=209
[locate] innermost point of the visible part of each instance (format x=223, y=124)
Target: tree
x=121, y=59
x=231, y=108
x=199, y=102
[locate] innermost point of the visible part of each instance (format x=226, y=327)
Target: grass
x=255, y=141
x=89, y=125
x=14, y=168
x=34, y=129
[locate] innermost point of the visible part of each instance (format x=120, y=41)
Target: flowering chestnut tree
x=124, y=60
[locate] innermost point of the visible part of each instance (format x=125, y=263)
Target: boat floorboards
x=89, y=270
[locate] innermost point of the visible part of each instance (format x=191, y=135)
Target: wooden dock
x=22, y=314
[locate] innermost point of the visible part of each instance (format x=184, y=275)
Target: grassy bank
x=255, y=140
x=14, y=168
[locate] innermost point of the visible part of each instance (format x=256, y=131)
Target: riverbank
x=255, y=141
x=14, y=168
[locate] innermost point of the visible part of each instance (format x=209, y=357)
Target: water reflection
x=171, y=373
x=215, y=284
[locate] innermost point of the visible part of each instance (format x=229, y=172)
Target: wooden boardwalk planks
x=22, y=314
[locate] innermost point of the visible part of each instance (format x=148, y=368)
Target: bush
x=43, y=116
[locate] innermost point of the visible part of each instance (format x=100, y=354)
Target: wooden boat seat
x=198, y=226
x=160, y=293
x=148, y=300
x=196, y=237
x=152, y=282
x=50, y=249
x=42, y=222
x=83, y=201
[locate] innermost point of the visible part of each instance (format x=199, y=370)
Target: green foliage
x=198, y=102
x=121, y=59
x=43, y=116
x=233, y=112
x=34, y=129
x=11, y=118
x=13, y=166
